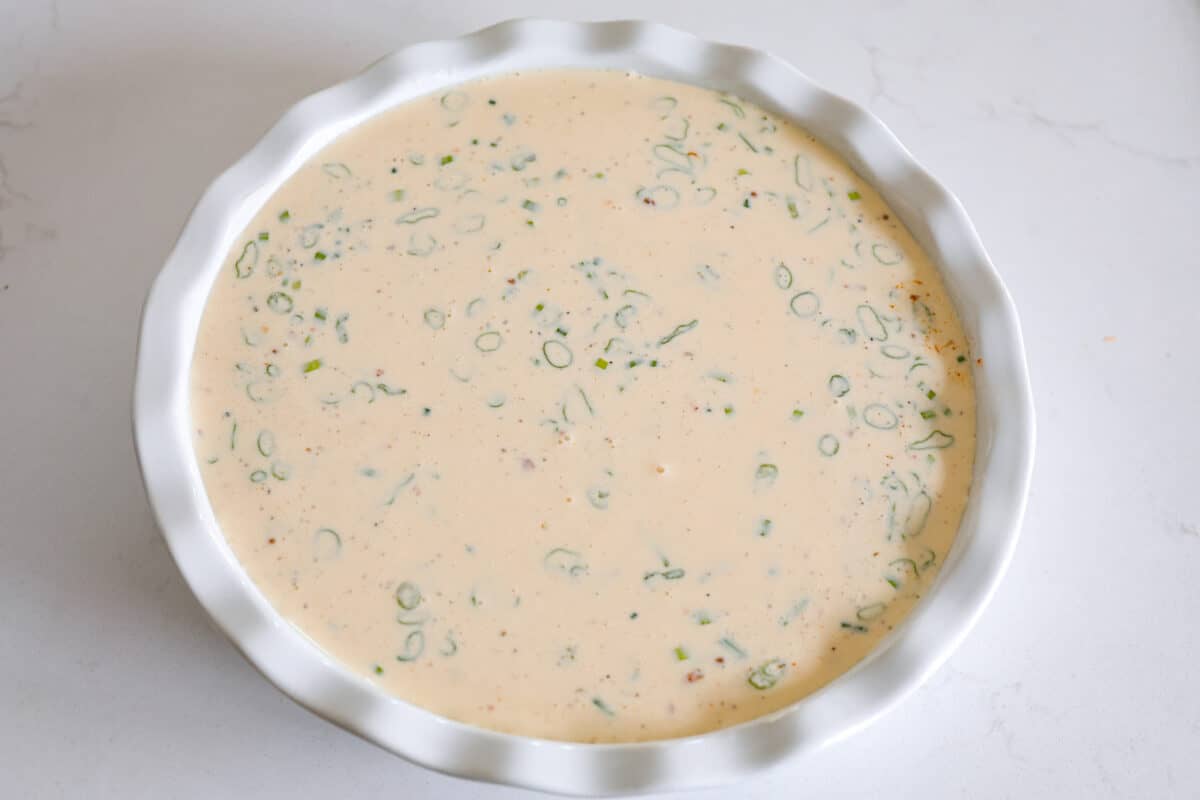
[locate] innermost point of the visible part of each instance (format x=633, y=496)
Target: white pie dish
x=292, y=662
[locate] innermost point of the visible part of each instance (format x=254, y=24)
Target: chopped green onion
x=280, y=302
x=244, y=266
x=567, y=562
x=414, y=646
x=598, y=498
x=408, y=595
x=805, y=304
x=336, y=170
x=934, y=441
x=886, y=254
x=880, y=417
x=679, y=331
x=435, y=319
x=732, y=646
x=311, y=235
x=737, y=110
x=871, y=324
x=327, y=544
x=488, y=341
x=783, y=277
x=522, y=160
x=623, y=314
x=557, y=354
x=417, y=215
x=873, y=611
x=767, y=674
x=839, y=386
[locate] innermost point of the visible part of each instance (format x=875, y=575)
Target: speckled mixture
x=585, y=406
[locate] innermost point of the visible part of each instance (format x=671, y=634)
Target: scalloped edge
x=981, y=553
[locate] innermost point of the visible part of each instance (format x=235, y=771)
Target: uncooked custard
x=584, y=405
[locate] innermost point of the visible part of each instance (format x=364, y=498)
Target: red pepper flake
x=648, y=201
x=720, y=659
x=695, y=675
x=754, y=194
x=271, y=540
x=512, y=281
x=693, y=154
x=378, y=373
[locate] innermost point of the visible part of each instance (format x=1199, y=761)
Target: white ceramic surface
x=288, y=659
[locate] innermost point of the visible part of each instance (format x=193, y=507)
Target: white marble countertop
x=1071, y=132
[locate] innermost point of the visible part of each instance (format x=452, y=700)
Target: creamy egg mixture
x=584, y=405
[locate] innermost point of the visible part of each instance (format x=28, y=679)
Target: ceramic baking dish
x=293, y=663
